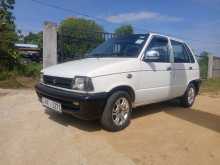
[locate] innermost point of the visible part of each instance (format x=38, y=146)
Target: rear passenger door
x=182, y=68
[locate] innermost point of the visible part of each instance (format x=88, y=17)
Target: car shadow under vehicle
x=195, y=116
x=69, y=120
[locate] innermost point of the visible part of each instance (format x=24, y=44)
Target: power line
x=103, y=20
x=207, y=42
x=80, y=13
x=65, y=9
x=85, y=15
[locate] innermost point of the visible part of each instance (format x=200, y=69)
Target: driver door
x=156, y=72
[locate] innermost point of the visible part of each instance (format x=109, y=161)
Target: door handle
x=168, y=68
x=190, y=68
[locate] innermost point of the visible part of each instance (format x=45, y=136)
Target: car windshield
x=126, y=46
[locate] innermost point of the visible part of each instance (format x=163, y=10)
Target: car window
x=160, y=44
x=180, y=52
x=192, y=60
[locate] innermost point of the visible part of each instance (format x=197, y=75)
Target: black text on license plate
x=52, y=104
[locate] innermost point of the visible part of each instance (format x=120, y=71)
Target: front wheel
x=117, y=112
x=188, y=98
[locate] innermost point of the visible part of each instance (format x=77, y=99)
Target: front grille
x=58, y=81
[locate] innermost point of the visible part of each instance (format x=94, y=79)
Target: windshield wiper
x=98, y=55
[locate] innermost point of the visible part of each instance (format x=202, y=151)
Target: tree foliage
x=34, y=38
x=6, y=7
x=78, y=35
x=204, y=53
x=124, y=30
x=8, y=55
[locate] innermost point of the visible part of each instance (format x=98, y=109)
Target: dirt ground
x=159, y=134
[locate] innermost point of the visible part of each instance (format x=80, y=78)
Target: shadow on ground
x=68, y=120
x=198, y=117
x=195, y=116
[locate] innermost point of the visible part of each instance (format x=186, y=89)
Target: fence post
x=210, y=66
x=49, y=44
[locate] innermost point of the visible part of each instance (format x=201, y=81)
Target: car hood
x=91, y=67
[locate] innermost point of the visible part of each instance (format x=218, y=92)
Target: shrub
x=29, y=70
x=203, y=64
x=4, y=75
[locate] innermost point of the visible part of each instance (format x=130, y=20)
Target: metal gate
x=75, y=45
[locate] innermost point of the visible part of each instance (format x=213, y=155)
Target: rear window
x=180, y=52
x=192, y=60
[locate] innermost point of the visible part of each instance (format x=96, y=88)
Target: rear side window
x=180, y=52
x=192, y=60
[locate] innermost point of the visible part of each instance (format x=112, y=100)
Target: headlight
x=82, y=83
x=41, y=77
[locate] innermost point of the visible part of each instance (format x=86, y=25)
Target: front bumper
x=89, y=106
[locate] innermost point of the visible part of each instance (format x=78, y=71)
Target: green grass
x=23, y=76
x=29, y=70
x=211, y=85
x=18, y=82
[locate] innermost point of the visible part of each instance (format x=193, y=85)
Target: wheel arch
x=126, y=88
x=197, y=84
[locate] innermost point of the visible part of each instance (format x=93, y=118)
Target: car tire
x=117, y=112
x=188, y=98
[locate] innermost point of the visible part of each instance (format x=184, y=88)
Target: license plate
x=52, y=104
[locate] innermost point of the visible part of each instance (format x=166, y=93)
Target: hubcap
x=191, y=95
x=120, y=111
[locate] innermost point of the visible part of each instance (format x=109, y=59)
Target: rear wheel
x=188, y=98
x=117, y=112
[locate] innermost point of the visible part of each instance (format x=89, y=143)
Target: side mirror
x=151, y=55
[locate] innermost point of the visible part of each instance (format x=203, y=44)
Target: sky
x=195, y=21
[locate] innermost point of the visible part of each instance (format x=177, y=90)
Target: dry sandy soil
x=159, y=134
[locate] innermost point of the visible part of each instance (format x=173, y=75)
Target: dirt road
x=160, y=134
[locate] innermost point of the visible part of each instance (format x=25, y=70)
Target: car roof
x=163, y=35
x=157, y=34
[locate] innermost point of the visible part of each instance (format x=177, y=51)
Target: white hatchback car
x=120, y=74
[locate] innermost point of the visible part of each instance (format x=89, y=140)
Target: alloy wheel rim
x=120, y=111
x=191, y=95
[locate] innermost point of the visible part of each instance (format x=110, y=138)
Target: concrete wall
x=49, y=44
x=216, y=67
x=213, y=67
x=210, y=66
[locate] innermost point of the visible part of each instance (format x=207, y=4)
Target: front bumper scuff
x=90, y=105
